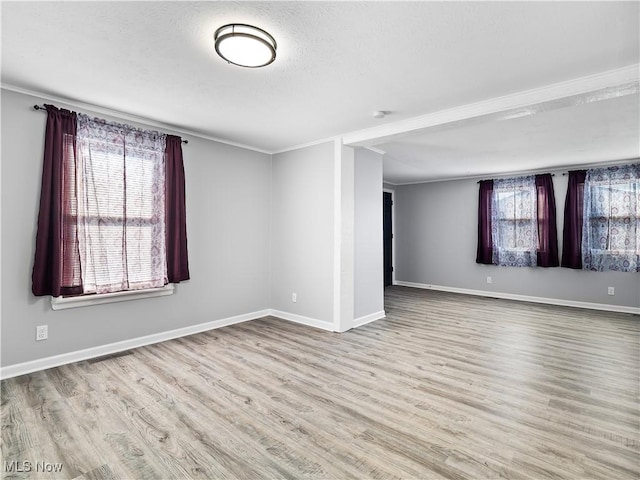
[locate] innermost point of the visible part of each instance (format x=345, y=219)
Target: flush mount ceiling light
x=245, y=45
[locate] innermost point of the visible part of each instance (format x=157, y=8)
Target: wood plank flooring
x=446, y=387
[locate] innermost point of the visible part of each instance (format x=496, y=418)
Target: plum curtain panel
x=547, y=253
x=516, y=222
x=115, y=205
x=573, y=217
x=176, y=244
x=611, y=230
x=54, y=263
x=485, y=240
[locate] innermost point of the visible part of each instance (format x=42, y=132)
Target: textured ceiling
x=337, y=62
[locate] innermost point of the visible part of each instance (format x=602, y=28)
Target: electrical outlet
x=294, y=297
x=489, y=280
x=42, y=332
x=611, y=291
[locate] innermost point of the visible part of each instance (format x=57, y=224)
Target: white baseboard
x=525, y=298
x=93, y=352
x=111, y=348
x=372, y=317
x=311, y=322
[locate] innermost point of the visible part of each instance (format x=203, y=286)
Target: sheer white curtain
x=611, y=225
x=120, y=177
x=514, y=222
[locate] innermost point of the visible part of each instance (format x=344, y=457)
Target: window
x=611, y=226
x=514, y=218
x=116, y=211
x=112, y=209
x=516, y=222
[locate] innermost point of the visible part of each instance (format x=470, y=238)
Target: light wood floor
x=448, y=386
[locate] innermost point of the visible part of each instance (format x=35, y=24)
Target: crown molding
x=601, y=86
x=308, y=144
x=517, y=173
x=126, y=116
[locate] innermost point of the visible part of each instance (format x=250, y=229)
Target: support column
x=344, y=194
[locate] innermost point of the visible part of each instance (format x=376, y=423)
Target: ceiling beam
x=593, y=88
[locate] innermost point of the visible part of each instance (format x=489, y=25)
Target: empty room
x=323, y=240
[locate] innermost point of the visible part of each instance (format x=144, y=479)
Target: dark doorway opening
x=387, y=232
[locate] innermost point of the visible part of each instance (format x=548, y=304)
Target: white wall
x=302, y=233
x=368, y=252
x=228, y=192
x=436, y=238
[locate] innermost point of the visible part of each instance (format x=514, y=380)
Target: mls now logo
x=27, y=466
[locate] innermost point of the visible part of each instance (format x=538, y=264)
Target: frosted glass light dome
x=245, y=45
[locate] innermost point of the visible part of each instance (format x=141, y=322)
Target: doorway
x=387, y=235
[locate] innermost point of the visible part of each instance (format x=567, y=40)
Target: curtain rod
x=552, y=174
x=44, y=109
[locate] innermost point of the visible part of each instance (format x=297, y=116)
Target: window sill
x=62, y=303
